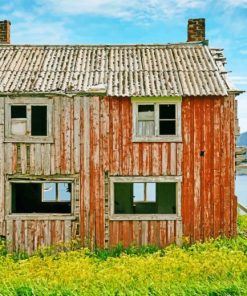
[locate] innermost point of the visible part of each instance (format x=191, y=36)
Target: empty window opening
x=49, y=197
x=145, y=198
x=18, y=111
x=39, y=121
x=167, y=119
x=146, y=120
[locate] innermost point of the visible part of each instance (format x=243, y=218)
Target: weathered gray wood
x=2, y=186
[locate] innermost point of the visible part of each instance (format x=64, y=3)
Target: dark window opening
x=145, y=108
x=145, y=198
x=33, y=198
x=167, y=119
x=39, y=121
x=18, y=111
x=167, y=128
x=167, y=111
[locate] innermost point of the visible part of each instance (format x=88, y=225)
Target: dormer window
x=157, y=120
x=28, y=120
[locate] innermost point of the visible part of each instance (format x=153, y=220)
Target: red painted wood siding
x=208, y=202
x=209, y=207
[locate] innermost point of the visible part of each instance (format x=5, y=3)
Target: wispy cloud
x=243, y=51
x=122, y=9
x=236, y=3
x=239, y=80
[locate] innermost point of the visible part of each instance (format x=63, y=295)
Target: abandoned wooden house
x=131, y=144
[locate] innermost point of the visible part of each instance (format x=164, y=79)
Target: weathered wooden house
x=116, y=143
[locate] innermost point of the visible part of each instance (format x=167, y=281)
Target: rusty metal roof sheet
x=122, y=70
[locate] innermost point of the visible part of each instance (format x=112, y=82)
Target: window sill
x=48, y=140
x=144, y=217
x=40, y=216
x=158, y=139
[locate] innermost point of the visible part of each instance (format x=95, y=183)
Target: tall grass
x=217, y=267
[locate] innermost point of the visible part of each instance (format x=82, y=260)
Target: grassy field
x=217, y=267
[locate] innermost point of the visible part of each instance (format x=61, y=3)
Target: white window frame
x=28, y=102
x=142, y=217
x=157, y=102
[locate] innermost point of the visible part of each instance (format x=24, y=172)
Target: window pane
x=138, y=191
x=49, y=192
x=123, y=198
x=145, y=128
x=166, y=198
x=64, y=191
x=151, y=192
x=167, y=111
x=39, y=121
x=19, y=111
x=145, y=112
x=168, y=127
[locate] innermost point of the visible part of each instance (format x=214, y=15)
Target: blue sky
x=134, y=21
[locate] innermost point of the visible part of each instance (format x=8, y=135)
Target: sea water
x=241, y=189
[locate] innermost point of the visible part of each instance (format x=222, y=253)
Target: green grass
x=217, y=267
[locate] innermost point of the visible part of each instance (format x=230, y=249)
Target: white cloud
x=236, y=3
x=125, y=9
x=239, y=80
x=32, y=28
x=243, y=51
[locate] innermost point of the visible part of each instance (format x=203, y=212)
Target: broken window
x=39, y=197
x=157, y=121
x=39, y=120
x=167, y=119
x=145, y=198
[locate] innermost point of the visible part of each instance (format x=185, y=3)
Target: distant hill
x=242, y=139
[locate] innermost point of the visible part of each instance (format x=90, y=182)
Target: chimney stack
x=196, y=30
x=5, y=32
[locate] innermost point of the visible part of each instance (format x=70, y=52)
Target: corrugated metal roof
x=138, y=70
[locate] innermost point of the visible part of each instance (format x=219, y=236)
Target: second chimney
x=196, y=30
x=5, y=32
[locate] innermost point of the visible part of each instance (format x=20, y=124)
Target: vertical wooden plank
x=46, y=161
x=8, y=152
x=217, y=161
x=156, y=159
x=68, y=142
x=164, y=158
x=197, y=168
x=208, y=178
x=227, y=175
x=38, y=159
x=77, y=108
x=116, y=149
x=2, y=163
x=95, y=171
x=202, y=148
x=173, y=163
x=144, y=236
x=57, y=133
x=179, y=158
x=86, y=169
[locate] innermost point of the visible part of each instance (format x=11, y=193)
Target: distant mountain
x=242, y=139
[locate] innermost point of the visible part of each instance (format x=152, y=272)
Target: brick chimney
x=196, y=30
x=5, y=32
